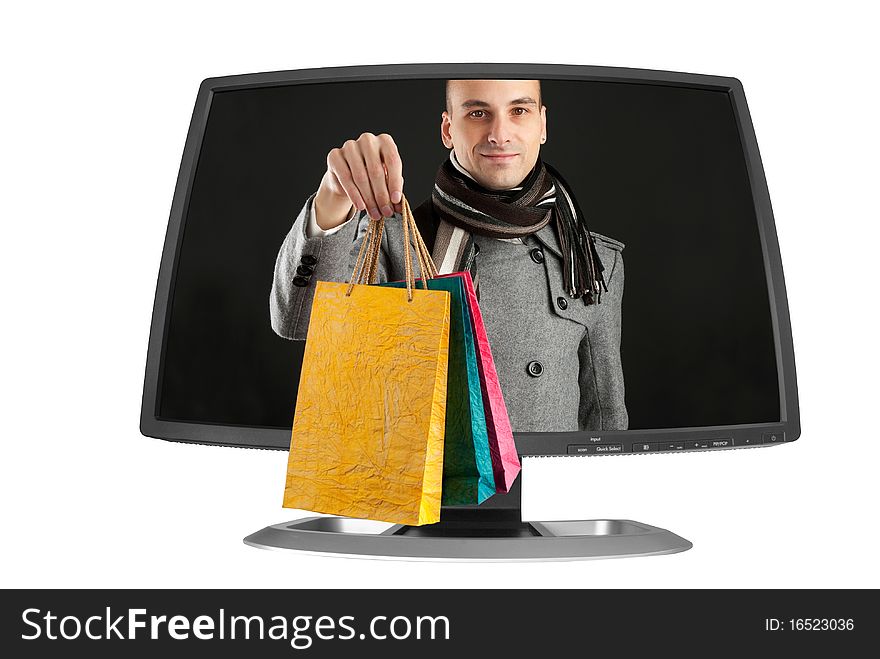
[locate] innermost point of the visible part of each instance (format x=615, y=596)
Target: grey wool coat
x=558, y=360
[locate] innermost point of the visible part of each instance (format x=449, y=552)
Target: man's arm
x=365, y=174
x=305, y=259
x=313, y=230
x=602, y=404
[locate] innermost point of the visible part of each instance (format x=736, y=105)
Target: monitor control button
x=773, y=437
x=673, y=446
x=608, y=448
x=579, y=449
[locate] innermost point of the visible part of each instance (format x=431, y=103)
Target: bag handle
x=366, y=266
x=426, y=263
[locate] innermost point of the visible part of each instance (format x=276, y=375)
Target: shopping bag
x=468, y=477
x=369, y=424
x=505, y=459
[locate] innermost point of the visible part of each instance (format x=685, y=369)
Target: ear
x=445, y=130
x=543, y=124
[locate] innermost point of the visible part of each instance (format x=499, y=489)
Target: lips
x=499, y=156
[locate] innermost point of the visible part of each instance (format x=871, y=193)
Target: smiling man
x=499, y=154
x=550, y=290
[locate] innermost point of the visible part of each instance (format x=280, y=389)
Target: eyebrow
x=474, y=103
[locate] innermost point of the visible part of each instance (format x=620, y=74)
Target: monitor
x=617, y=226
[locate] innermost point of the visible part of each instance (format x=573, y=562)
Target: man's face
x=496, y=128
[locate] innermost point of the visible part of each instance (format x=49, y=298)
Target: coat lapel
x=547, y=236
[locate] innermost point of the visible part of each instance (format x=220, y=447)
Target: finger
x=376, y=173
x=355, y=161
x=393, y=169
x=339, y=168
x=398, y=206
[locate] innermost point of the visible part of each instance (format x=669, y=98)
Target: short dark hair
x=540, y=102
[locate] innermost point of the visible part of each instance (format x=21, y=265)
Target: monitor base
x=501, y=540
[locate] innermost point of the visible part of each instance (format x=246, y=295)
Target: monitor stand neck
x=492, y=531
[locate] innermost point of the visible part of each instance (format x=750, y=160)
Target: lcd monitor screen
x=658, y=172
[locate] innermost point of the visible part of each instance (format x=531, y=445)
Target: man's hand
x=366, y=173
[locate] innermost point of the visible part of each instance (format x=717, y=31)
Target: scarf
x=465, y=208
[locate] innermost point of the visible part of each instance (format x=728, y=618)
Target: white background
x=97, y=99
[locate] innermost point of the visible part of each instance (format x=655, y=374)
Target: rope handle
x=366, y=265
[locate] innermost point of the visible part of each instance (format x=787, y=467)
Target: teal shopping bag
x=467, y=463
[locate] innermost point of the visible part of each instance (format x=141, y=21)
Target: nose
x=500, y=130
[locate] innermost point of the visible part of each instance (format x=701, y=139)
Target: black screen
x=659, y=168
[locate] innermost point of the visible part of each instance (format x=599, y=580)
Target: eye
x=474, y=112
x=524, y=111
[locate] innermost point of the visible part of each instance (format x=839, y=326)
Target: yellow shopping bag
x=368, y=429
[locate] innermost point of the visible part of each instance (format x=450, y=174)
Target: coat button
x=535, y=369
x=304, y=270
x=537, y=255
x=308, y=259
x=300, y=281
x=562, y=302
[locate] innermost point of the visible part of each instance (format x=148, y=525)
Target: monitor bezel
x=528, y=443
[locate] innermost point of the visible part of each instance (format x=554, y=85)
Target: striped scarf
x=465, y=208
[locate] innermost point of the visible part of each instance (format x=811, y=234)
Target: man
x=550, y=291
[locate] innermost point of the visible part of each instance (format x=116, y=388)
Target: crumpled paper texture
x=467, y=461
x=505, y=459
x=368, y=430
